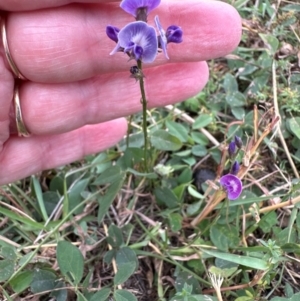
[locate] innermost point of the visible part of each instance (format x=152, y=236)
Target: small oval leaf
x=163, y=140
x=70, y=261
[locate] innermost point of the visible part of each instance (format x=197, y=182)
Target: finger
x=69, y=43
x=20, y=5
x=58, y=108
x=22, y=157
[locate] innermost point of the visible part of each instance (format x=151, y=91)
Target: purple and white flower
x=233, y=186
x=139, y=41
x=172, y=35
x=139, y=7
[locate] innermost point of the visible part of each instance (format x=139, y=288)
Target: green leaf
x=224, y=236
x=62, y=293
x=162, y=140
x=199, y=150
x=202, y=121
x=224, y=273
x=75, y=194
x=244, y=298
x=230, y=84
x=30, y=223
x=109, y=176
x=149, y=175
x=194, y=298
x=106, y=200
x=51, y=199
x=135, y=140
x=6, y=269
x=236, y=99
x=283, y=236
x=166, y=196
x=288, y=290
x=293, y=125
x=57, y=185
x=251, y=262
x=238, y=112
x=109, y=256
x=22, y=281
x=80, y=296
x=43, y=280
x=175, y=220
x=124, y=272
x=123, y=295
x=194, y=193
x=289, y=7
x=177, y=130
x=8, y=252
x=192, y=209
x=271, y=41
x=70, y=261
x=102, y=295
x=199, y=138
x=185, y=279
x=130, y=158
x=115, y=236
x=268, y=221
x=291, y=248
x=39, y=195
x=296, y=297
x=127, y=263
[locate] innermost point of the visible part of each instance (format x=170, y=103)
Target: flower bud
x=231, y=149
x=112, y=32
x=235, y=168
x=238, y=141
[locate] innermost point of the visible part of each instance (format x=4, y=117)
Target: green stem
x=128, y=130
x=144, y=104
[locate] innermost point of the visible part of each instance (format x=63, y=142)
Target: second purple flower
x=139, y=41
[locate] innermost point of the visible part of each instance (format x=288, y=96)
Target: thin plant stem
x=128, y=130
x=278, y=129
x=144, y=104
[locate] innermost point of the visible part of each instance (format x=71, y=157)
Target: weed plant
x=104, y=229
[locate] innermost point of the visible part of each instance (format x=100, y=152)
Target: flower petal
x=142, y=35
x=174, y=34
x=131, y=6
x=112, y=32
x=233, y=186
x=162, y=37
x=116, y=49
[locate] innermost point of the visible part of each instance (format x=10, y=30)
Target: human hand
x=76, y=92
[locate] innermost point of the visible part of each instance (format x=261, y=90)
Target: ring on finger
x=8, y=55
x=22, y=130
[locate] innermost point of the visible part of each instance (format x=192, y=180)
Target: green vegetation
x=104, y=229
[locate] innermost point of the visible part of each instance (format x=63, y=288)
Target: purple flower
x=231, y=149
x=112, y=32
x=235, y=168
x=173, y=35
x=233, y=185
x=139, y=8
x=139, y=41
